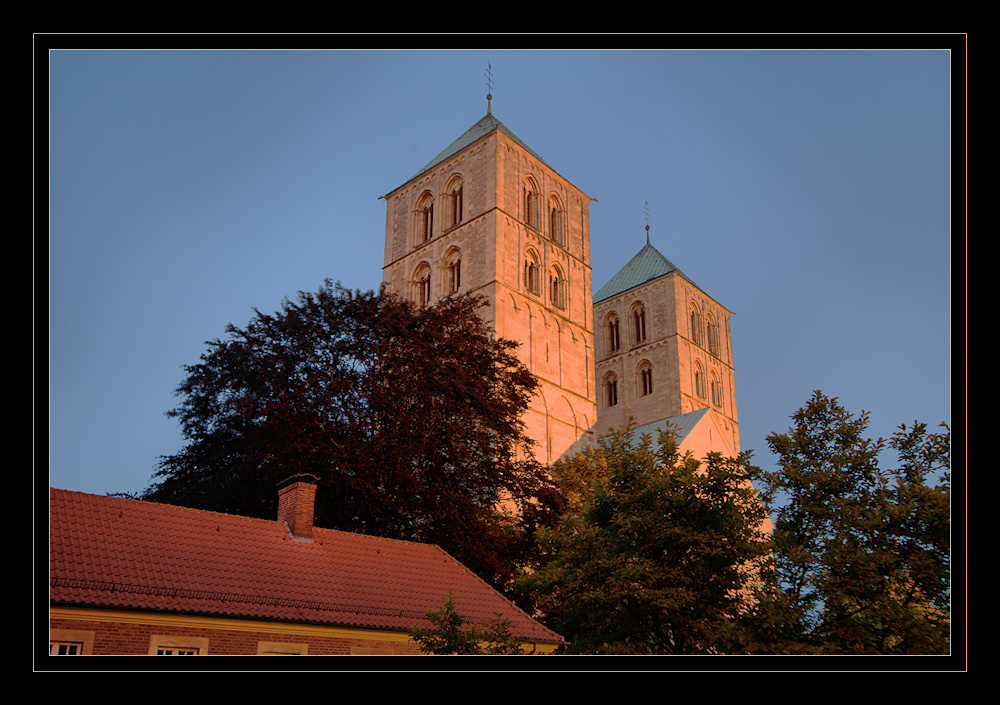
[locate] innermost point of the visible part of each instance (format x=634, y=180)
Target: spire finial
x=646, y=209
x=489, y=88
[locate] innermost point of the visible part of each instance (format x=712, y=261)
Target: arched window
x=610, y=390
x=453, y=196
x=532, y=204
x=645, y=381
x=423, y=218
x=422, y=284
x=638, y=324
x=612, y=326
x=453, y=270
x=713, y=335
x=557, y=289
x=696, y=327
x=716, y=385
x=699, y=380
x=557, y=221
x=532, y=274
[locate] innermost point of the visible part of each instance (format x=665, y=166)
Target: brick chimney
x=295, y=507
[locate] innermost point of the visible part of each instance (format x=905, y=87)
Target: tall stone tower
x=488, y=216
x=664, y=354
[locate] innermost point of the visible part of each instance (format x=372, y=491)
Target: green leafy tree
x=861, y=553
x=451, y=633
x=655, y=553
x=411, y=418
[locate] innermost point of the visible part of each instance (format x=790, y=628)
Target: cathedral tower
x=664, y=353
x=488, y=216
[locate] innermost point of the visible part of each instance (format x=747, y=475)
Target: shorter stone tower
x=663, y=350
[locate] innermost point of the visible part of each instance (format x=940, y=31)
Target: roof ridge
x=170, y=557
x=647, y=264
x=682, y=423
x=146, y=503
x=486, y=125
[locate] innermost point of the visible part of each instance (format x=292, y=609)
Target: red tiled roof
x=118, y=553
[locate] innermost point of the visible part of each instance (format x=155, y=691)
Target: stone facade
x=490, y=217
x=664, y=348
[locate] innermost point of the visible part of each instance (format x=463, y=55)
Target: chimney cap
x=306, y=477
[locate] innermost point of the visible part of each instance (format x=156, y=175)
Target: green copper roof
x=683, y=424
x=646, y=266
x=475, y=133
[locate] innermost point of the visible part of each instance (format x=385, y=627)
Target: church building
x=665, y=355
x=489, y=216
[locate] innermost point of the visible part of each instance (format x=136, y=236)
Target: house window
x=645, y=378
x=638, y=324
x=371, y=651
x=279, y=648
x=162, y=645
x=610, y=390
x=65, y=648
x=614, y=341
x=70, y=642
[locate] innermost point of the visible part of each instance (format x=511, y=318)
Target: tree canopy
x=411, y=418
x=862, y=553
x=655, y=553
x=452, y=634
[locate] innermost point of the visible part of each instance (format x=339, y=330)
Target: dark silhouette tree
x=410, y=417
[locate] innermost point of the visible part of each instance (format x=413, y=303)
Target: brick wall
x=131, y=637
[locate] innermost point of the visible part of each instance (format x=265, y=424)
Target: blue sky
x=807, y=191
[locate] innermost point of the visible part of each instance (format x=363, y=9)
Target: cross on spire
x=489, y=86
x=646, y=210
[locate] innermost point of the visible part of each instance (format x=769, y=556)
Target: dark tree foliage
x=862, y=553
x=410, y=417
x=654, y=554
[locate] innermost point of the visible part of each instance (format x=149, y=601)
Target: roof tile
x=647, y=265
x=131, y=554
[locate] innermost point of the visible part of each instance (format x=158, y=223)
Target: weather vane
x=646, y=210
x=489, y=86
